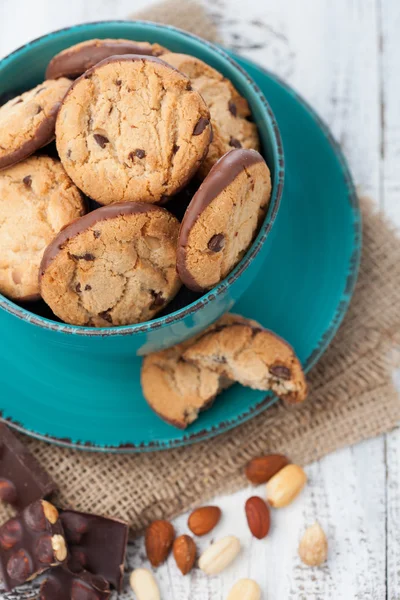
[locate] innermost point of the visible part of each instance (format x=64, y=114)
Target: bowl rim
x=276, y=196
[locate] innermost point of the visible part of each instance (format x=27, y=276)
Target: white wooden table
x=343, y=56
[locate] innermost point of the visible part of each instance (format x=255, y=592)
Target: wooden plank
x=393, y=514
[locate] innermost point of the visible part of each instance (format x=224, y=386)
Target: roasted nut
x=245, y=589
x=204, y=519
x=283, y=487
x=158, y=541
x=34, y=516
x=10, y=534
x=184, y=550
x=144, y=585
x=219, y=555
x=19, y=566
x=313, y=547
x=8, y=492
x=44, y=549
x=59, y=547
x=262, y=468
x=50, y=512
x=258, y=518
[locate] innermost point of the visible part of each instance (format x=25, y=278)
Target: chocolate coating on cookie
x=132, y=129
x=235, y=194
x=115, y=266
x=74, y=61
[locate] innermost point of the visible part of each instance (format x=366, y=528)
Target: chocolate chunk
x=280, y=371
x=232, y=108
x=86, y=256
x=78, y=287
x=104, y=559
x=101, y=140
x=175, y=148
x=30, y=543
x=96, y=234
x=140, y=153
x=118, y=82
x=234, y=143
x=216, y=243
x=106, y=316
x=87, y=287
x=159, y=299
x=63, y=584
x=22, y=479
x=27, y=181
x=69, y=152
x=200, y=126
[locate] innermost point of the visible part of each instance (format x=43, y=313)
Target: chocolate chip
x=44, y=549
x=189, y=86
x=234, y=143
x=19, y=566
x=216, y=243
x=86, y=256
x=110, y=110
x=118, y=82
x=78, y=288
x=27, y=181
x=280, y=371
x=8, y=492
x=34, y=517
x=158, y=299
x=232, y=108
x=101, y=140
x=138, y=152
x=200, y=126
x=88, y=76
x=69, y=152
x=96, y=234
x=175, y=148
x=87, y=287
x=106, y=315
x=10, y=534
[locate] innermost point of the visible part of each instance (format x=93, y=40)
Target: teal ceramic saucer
x=302, y=293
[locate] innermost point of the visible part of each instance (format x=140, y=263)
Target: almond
x=285, y=486
x=313, y=548
x=144, y=585
x=158, y=541
x=184, y=550
x=262, y=468
x=204, y=519
x=258, y=518
x=219, y=555
x=245, y=589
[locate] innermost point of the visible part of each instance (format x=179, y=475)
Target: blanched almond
x=245, y=589
x=219, y=555
x=313, y=548
x=285, y=486
x=144, y=585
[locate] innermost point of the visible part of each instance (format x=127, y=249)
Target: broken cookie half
x=183, y=380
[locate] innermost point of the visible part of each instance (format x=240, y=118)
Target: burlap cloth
x=352, y=396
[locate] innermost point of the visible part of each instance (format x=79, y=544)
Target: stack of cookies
x=141, y=133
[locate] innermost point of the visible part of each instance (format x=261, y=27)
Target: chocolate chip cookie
x=252, y=356
x=178, y=390
x=223, y=218
x=75, y=60
x=27, y=122
x=114, y=266
x=230, y=112
x=132, y=129
x=37, y=199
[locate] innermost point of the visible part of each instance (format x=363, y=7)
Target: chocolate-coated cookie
x=37, y=199
x=252, y=356
x=115, y=266
x=75, y=60
x=27, y=122
x=132, y=129
x=230, y=112
x=223, y=218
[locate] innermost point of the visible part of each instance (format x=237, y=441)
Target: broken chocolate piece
x=63, y=584
x=96, y=543
x=22, y=479
x=31, y=543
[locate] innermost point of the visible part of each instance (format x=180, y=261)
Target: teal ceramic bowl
x=61, y=344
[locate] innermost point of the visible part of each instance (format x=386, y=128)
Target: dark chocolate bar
x=31, y=543
x=97, y=544
x=22, y=479
x=63, y=584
